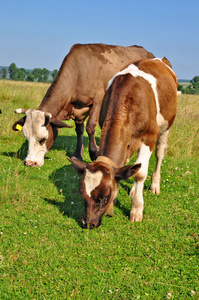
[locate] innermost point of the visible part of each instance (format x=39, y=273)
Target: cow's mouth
x=91, y=224
x=30, y=163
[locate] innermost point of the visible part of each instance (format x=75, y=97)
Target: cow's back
x=93, y=65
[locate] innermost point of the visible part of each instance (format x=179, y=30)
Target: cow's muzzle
x=30, y=163
x=90, y=224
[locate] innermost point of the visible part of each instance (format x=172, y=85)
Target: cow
x=138, y=110
x=77, y=92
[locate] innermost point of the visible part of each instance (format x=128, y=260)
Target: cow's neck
x=114, y=147
x=57, y=100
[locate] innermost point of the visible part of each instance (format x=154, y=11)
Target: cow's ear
x=125, y=172
x=77, y=164
x=19, y=124
x=59, y=124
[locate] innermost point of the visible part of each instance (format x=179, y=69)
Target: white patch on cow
x=35, y=132
x=135, y=72
x=136, y=192
x=18, y=110
x=92, y=180
x=36, y=153
x=144, y=155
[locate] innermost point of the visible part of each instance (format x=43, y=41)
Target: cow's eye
x=105, y=199
x=42, y=141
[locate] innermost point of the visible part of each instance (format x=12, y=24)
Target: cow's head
x=40, y=129
x=99, y=187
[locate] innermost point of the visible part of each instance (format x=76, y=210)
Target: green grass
x=44, y=252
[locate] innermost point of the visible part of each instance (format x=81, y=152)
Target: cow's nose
x=30, y=163
x=84, y=224
x=92, y=226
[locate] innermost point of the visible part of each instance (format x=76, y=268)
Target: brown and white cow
x=76, y=93
x=138, y=109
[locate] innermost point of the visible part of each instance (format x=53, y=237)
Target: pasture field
x=44, y=252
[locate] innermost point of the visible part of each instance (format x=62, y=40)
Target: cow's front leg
x=137, y=206
x=136, y=192
x=91, y=127
x=79, y=151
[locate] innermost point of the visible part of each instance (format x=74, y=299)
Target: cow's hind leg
x=137, y=205
x=161, y=147
x=79, y=152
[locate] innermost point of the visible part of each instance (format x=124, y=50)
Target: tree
x=37, y=73
x=13, y=71
x=30, y=77
x=45, y=73
x=181, y=88
x=21, y=74
x=195, y=85
x=54, y=74
x=4, y=73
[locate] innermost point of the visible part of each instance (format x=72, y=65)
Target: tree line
x=191, y=88
x=44, y=75
x=20, y=74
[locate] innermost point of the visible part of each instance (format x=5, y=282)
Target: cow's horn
x=47, y=115
x=20, y=110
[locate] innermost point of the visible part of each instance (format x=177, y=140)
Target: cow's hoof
x=94, y=155
x=136, y=217
x=77, y=157
x=155, y=190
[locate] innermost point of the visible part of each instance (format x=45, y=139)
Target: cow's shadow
x=68, y=143
x=21, y=153
x=62, y=142
x=67, y=182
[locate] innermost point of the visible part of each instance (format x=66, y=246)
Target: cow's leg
x=161, y=147
x=136, y=192
x=79, y=147
x=91, y=127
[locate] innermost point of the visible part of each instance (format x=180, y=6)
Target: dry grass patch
x=184, y=134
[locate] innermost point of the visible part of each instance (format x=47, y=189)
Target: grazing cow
x=76, y=93
x=138, y=109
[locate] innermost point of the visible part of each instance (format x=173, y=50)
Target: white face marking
x=92, y=180
x=135, y=72
x=36, y=134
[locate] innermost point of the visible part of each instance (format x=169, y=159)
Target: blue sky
x=39, y=33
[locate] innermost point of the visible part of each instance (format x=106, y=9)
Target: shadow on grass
x=67, y=143
x=67, y=182
x=21, y=152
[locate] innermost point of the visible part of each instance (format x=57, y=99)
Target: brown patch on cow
x=136, y=113
x=78, y=90
x=127, y=118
